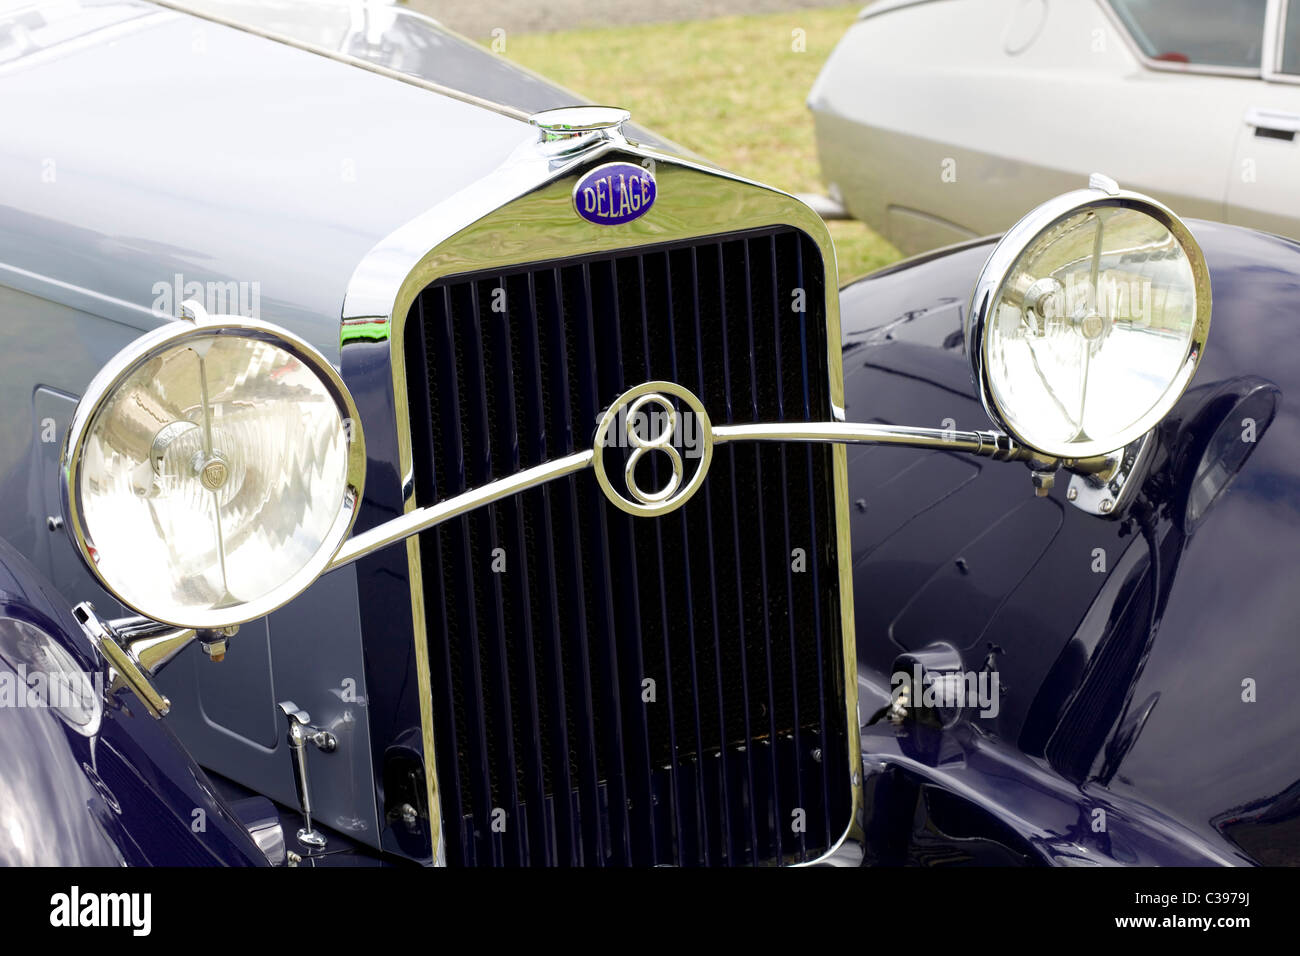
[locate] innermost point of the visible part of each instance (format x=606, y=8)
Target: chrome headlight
x=212, y=470
x=1088, y=321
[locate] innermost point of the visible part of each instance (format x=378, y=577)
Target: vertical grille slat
x=700, y=815
x=815, y=563
x=623, y=547
x=748, y=798
x=551, y=645
x=448, y=354
x=778, y=318
x=588, y=794
x=599, y=558
x=764, y=608
x=488, y=424
x=655, y=531
x=727, y=846
x=537, y=670
x=522, y=662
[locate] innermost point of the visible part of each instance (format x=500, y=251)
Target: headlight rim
x=1008, y=251
x=125, y=363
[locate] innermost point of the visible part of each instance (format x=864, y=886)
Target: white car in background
x=940, y=120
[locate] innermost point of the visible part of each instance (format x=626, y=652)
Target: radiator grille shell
x=548, y=612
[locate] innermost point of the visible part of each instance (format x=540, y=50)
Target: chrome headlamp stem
x=137, y=648
x=989, y=444
x=150, y=644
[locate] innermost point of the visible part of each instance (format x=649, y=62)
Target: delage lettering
x=614, y=194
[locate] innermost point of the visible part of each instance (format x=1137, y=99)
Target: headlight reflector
x=212, y=471
x=1088, y=322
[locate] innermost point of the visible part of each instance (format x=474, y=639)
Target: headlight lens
x=212, y=472
x=1090, y=319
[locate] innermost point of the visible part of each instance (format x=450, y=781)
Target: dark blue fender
x=1175, y=718
x=91, y=786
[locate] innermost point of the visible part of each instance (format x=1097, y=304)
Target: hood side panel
x=183, y=147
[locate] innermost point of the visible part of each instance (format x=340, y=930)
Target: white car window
x=1291, y=40
x=1223, y=33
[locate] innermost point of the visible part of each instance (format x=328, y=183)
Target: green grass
x=731, y=89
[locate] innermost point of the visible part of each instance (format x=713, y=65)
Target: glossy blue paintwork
x=126, y=795
x=1218, y=772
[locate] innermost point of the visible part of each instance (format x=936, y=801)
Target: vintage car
x=400, y=476
x=939, y=120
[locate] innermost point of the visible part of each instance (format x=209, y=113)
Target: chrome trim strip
x=986, y=444
x=522, y=213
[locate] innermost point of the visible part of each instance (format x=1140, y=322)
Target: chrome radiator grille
x=548, y=612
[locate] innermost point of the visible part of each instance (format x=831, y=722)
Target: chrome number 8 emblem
x=660, y=435
x=661, y=442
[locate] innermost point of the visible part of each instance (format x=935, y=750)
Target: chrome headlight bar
x=646, y=420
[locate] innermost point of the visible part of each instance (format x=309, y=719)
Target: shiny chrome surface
x=300, y=734
x=984, y=444
x=151, y=645
x=1108, y=492
x=997, y=274
x=262, y=821
x=580, y=126
x=209, y=467
x=422, y=519
x=523, y=213
x=137, y=648
x=125, y=670
x=626, y=410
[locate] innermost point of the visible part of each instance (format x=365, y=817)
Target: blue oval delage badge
x=615, y=193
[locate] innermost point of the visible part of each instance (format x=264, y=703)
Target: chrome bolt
x=408, y=814
x=1072, y=494
x=54, y=522
x=1106, y=506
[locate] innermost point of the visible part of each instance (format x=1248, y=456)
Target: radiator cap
x=580, y=122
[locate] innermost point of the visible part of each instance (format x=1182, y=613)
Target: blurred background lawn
x=731, y=88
